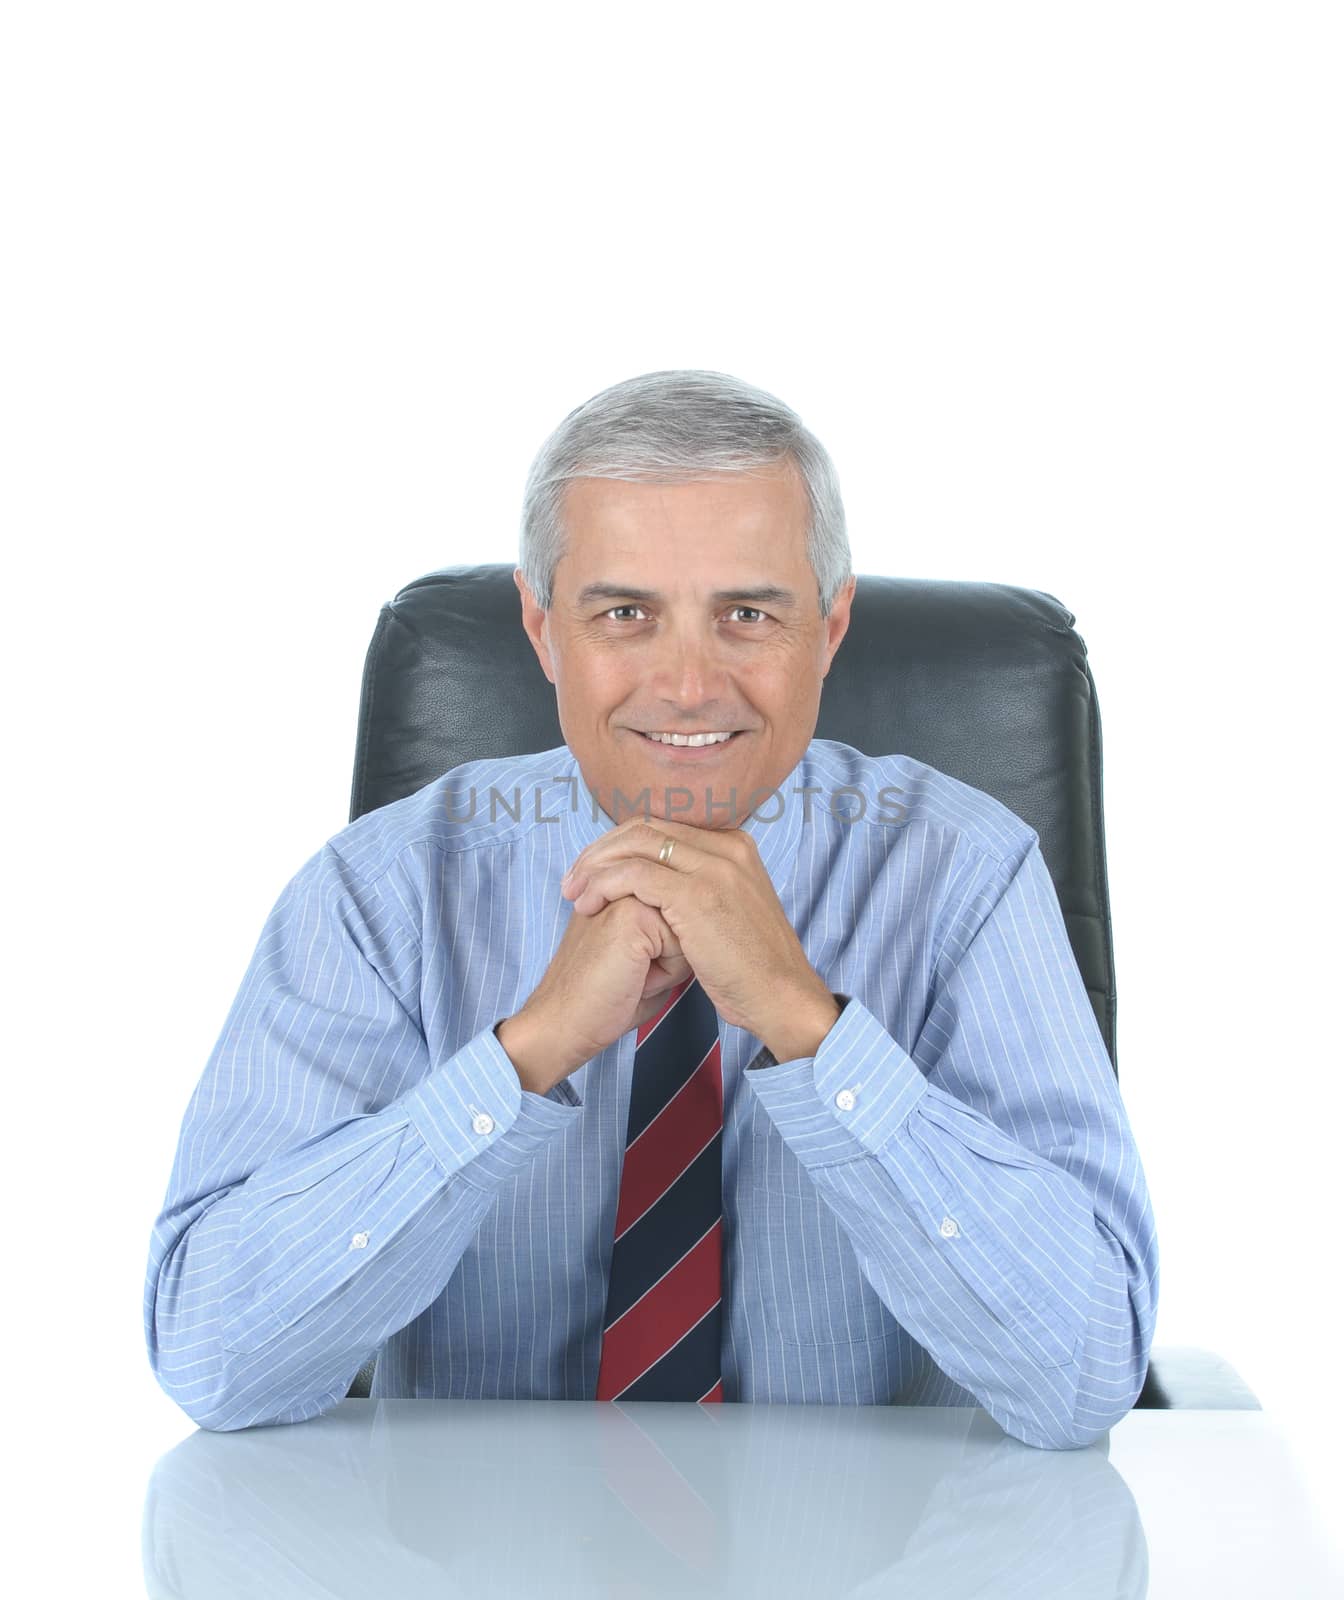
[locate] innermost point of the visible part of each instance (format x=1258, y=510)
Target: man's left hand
x=717, y=898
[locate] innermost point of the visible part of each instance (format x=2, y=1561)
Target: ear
x=534, y=624
x=837, y=624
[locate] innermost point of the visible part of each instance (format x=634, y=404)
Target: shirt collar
x=775, y=825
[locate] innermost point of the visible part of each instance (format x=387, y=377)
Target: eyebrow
x=766, y=593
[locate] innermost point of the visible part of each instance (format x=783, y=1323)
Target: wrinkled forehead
x=705, y=538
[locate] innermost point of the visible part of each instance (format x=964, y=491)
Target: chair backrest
x=985, y=681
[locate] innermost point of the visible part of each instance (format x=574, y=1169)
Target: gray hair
x=679, y=425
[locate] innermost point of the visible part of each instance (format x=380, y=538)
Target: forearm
x=989, y=1255
x=800, y=1024
x=1000, y=1307
x=261, y=1304
x=266, y=1307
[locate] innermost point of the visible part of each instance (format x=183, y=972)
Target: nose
x=687, y=669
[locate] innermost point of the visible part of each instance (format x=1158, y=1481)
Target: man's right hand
x=610, y=972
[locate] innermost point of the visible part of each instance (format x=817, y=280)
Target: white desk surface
x=545, y=1498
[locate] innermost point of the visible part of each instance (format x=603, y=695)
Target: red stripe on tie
x=673, y=995
x=649, y=1329
x=674, y=1138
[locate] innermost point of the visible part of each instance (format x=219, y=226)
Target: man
x=694, y=1059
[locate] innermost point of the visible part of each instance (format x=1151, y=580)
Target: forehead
x=757, y=516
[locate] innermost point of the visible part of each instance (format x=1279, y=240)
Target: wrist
x=802, y=1027
x=534, y=1058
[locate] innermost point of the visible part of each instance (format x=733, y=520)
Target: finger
x=646, y=880
x=672, y=961
x=660, y=979
x=646, y=839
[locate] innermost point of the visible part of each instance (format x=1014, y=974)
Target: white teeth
x=689, y=738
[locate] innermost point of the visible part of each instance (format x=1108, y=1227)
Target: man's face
x=660, y=623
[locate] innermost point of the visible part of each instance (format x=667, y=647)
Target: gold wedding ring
x=665, y=854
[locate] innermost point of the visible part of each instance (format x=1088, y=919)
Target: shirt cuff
x=479, y=1122
x=847, y=1101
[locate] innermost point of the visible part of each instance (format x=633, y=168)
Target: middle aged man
x=697, y=1058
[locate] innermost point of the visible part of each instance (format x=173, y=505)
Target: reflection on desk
x=547, y=1498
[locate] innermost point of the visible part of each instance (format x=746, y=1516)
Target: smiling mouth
x=692, y=741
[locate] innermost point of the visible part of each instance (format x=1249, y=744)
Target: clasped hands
x=717, y=899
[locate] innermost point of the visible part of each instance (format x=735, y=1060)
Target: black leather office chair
x=984, y=681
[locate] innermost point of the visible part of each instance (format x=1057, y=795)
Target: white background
x=295, y=292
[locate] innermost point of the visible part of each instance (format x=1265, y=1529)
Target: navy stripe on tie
x=652, y=1246
x=667, y=1058
x=677, y=1374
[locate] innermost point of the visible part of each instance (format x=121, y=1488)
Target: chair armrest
x=359, y=1389
x=1184, y=1378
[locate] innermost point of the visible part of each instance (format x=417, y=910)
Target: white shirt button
x=845, y=1100
x=359, y=1241
x=949, y=1229
x=483, y=1123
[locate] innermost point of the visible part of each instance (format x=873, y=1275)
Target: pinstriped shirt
x=943, y=1206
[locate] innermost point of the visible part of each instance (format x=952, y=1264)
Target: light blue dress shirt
x=944, y=1206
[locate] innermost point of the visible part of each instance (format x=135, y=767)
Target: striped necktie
x=660, y=1338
